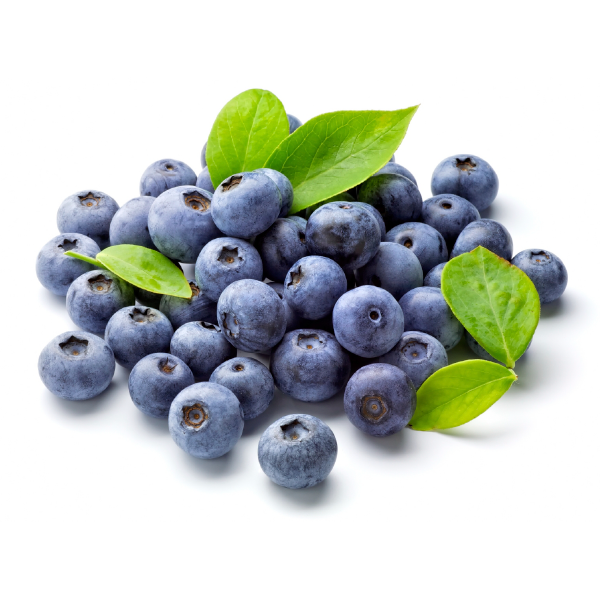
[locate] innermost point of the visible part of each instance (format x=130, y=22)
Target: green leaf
x=460, y=392
x=495, y=301
x=336, y=151
x=245, y=133
x=88, y=259
x=146, y=269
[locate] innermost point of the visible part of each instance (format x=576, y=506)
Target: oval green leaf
x=85, y=258
x=495, y=301
x=458, y=393
x=245, y=133
x=336, y=151
x=146, y=269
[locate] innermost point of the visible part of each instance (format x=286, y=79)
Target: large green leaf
x=495, y=301
x=146, y=269
x=336, y=151
x=245, y=133
x=460, y=392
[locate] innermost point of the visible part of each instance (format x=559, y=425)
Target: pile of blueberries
x=349, y=286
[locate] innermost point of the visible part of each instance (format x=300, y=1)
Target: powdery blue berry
x=434, y=277
x=130, y=223
x=371, y=209
x=165, y=174
x=487, y=233
x=182, y=310
x=284, y=185
x=204, y=181
x=295, y=122
x=449, y=214
x=293, y=320
x=297, y=451
x=426, y=242
x=394, y=168
x=546, y=270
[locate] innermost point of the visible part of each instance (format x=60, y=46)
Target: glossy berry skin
x=246, y=204
x=295, y=122
x=206, y=420
x=546, y=270
x=394, y=168
x=164, y=175
x=88, y=212
x=434, y=277
x=418, y=354
x=426, y=310
x=202, y=346
x=342, y=197
x=313, y=285
x=251, y=315
x=181, y=223
x=136, y=331
x=426, y=242
x=182, y=310
x=394, y=268
x=371, y=209
x=280, y=247
x=449, y=214
x=293, y=320
x=487, y=233
x=368, y=321
x=397, y=198
x=130, y=223
x=56, y=271
x=297, y=451
x=225, y=260
x=284, y=185
x=204, y=181
x=95, y=297
x=250, y=381
x=76, y=365
x=156, y=380
x=467, y=176
x=310, y=365
x=380, y=399
x=343, y=232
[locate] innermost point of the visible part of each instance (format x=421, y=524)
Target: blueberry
x=89, y=212
x=546, y=270
x=150, y=299
x=251, y=315
x=397, y=198
x=449, y=214
x=487, y=233
x=368, y=321
x=203, y=155
x=156, y=380
x=204, y=181
x=225, y=260
x=300, y=220
x=426, y=310
x=297, y=451
x=202, y=346
x=295, y=122
x=181, y=222
x=434, y=276
x=394, y=168
x=343, y=197
x=182, y=310
x=136, y=331
x=95, y=297
x=164, y=175
x=76, y=365
x=250, y=381
x=394, y=268
x=130, y=223
x=467, y=176
x=313, y=286
x=426, y=242
x=479, y=350
x=206, y=420
x=343, y=232
x=380, y=399
x=310, y=365
x=280, y=247
x=284, y=185
x=376, y=214
x=55, y=271
x=246, y=204
x=418, y=354
x=293, y=320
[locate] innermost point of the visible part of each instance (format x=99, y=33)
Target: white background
x=98, y=502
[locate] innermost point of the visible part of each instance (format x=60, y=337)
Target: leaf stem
x=88, y=259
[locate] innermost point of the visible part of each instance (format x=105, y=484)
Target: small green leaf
x=495, y=301
x=245, y=133
x=88, y=259
x=336, y=151
x=146, y=269
x=460, y=392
